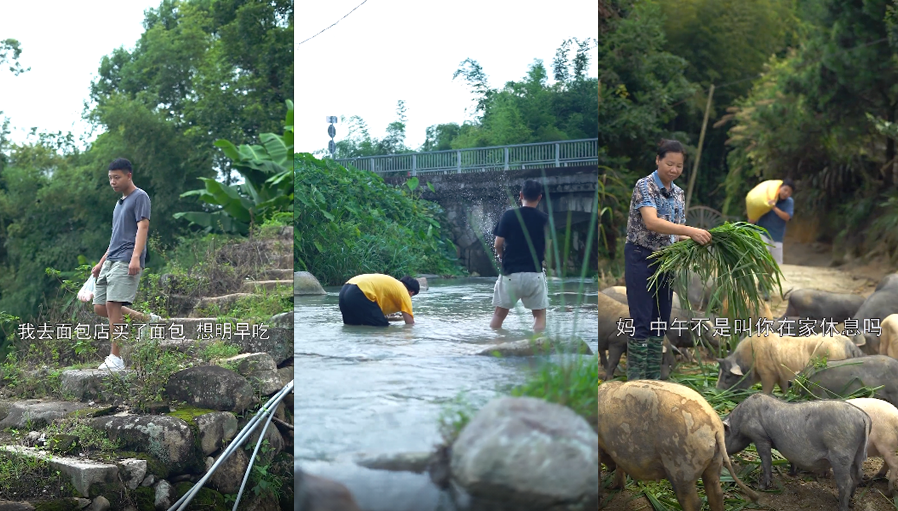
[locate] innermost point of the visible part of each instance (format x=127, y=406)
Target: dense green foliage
x=265, y=191
x=802, y=89
x=529, y=110
x=348, y=222
x=202, y=71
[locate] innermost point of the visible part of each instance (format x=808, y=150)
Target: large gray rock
x=259, y=369
x=527, y=454
x=318, y=493
x=228, y=476
x=215, y=429
x=282, y=320
x=83, y=473
x=540, y=346
x=277, y=342
x=422, y=281
x=133, y=472
x=169, y=439
x=212, y=388
x=90, y=384
x=36, y=413
x=165, y=495
x=100, y=503
x=286, y=375
x=304, y=283
x=276, y=441
x=263, y=502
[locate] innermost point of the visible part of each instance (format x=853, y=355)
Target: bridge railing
x=480, y=159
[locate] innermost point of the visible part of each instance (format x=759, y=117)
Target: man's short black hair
x=120, y=164
x=532, y=189
x=411, y=284
x=788, y=182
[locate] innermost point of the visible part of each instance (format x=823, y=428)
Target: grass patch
x=258, y=308
x=24, y=477
x=571, y=382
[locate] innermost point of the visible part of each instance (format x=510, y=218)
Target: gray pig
x=698, y=292
x=813, y=436
x=820, y=305
x=878, y=306
x=841, y=378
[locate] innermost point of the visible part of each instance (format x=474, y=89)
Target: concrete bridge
x=474, y=201
x=475, y=186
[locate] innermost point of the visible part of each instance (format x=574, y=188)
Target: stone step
x=255, y=286
x=277, y=274
x=84, y=473
x=90, y=384
x=35, y=413
x=221, y=301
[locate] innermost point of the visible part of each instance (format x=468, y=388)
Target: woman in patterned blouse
x=657, y=219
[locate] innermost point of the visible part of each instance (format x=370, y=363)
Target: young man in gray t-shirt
x=118, y=272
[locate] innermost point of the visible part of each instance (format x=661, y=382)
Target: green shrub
x=349, y=222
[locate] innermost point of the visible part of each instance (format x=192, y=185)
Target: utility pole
x=701, y=141
x=331, y=146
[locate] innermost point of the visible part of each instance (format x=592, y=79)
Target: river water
x=380, y=391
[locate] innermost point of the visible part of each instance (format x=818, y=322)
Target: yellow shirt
x=389, y=294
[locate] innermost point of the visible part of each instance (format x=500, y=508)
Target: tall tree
x=193, y=59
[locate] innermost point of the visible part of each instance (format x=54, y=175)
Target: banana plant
x=267, y=189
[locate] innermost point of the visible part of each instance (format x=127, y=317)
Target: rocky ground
x=140, y=439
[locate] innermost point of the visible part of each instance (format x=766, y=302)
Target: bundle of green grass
x=735, y=257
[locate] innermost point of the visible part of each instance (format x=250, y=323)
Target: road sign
x=332, y=119
x=331, y=131
x=331, y=146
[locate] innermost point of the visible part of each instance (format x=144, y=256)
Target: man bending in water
x=368, y=299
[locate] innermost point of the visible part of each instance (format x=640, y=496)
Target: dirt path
x=808, y=266
x=805, y=266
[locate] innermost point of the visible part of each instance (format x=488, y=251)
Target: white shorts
x=776, y=250
x=529, y=287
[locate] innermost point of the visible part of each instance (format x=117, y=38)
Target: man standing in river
x=119, y=270
x=520, y=247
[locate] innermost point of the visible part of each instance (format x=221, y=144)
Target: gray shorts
x=115, y=285
x=530, y=288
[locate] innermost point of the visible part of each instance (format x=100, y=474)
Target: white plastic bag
x=87, y=290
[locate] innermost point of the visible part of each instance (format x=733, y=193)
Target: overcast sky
x=389, y=50
x=62, y=41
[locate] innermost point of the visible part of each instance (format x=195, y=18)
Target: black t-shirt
x=517, y=256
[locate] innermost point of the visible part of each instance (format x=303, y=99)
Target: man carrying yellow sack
x=368, y=299
x=782, y=209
